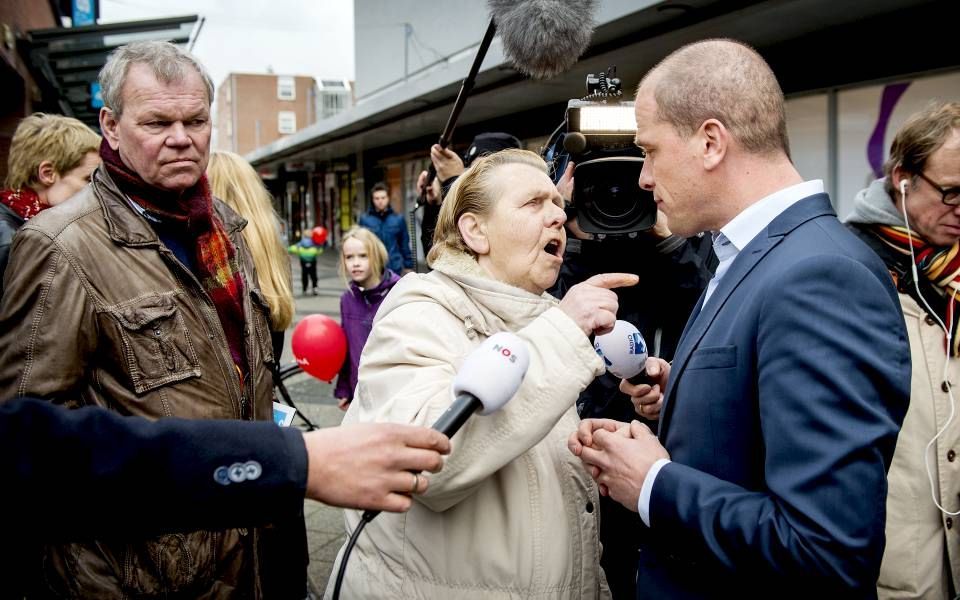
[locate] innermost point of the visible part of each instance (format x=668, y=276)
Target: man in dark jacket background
x=390, y=227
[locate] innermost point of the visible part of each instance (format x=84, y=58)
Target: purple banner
x=876, y=145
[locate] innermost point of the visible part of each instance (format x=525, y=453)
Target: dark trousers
x=619, y=533
x=308, y=270
x=284, y=557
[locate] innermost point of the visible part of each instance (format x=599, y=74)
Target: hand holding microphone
x=447, y=162
x=489, y=377
x=593, y=305
x=647, y=397
x=369, y=465
x=644, y=378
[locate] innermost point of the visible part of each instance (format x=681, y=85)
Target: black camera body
x=598, y=137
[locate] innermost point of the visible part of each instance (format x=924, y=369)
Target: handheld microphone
x=489, y=377
x=543, y=38
x=624, y=352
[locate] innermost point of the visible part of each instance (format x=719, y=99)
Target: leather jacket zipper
x=238, y=398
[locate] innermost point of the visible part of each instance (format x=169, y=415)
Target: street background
x=314, y=398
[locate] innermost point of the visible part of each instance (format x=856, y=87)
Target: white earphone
x=948, y=332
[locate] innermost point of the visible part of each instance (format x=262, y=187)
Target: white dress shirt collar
x=755, y=218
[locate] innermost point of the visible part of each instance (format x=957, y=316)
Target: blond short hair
x=234, y=181
x=64, y=141
x=725, y=80
x=918, y=138
x=473, y=192
x=376, y=251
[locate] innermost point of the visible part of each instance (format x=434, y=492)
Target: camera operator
x=673, y=273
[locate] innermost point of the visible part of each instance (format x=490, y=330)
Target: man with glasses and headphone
x=911, y=218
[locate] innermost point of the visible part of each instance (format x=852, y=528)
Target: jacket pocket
x=713, y=357
x=156, y=343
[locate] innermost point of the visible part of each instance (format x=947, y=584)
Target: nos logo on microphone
x=504, y=351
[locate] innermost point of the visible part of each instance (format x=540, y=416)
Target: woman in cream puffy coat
x=512, y=514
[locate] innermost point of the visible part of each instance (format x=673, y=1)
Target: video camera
x=598, y=136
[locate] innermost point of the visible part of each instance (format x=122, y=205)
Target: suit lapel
x=743, y=264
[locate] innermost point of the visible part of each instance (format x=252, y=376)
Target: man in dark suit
x=782, y=406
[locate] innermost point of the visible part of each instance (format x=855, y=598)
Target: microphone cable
x=498, y=366
x=368, y=516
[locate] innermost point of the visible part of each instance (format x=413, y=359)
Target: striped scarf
x=217, y=267
x=939, y=265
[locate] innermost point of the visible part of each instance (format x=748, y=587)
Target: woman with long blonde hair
x=234, y=181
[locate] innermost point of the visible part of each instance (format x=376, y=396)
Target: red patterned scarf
x=24, y=202
x=939, y=265
x=216, y=259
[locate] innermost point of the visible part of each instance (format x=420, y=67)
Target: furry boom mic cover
x=543, y=38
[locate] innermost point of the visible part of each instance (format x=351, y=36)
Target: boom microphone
x=489, y=377
x=543, y=38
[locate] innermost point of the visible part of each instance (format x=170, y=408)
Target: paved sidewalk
x=314, y=398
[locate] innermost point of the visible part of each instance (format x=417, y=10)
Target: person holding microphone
x=512, y=514
x=130, y=476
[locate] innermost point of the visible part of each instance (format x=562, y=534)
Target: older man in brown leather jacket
x=139, y=295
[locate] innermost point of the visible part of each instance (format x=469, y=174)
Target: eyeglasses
x=949, y=196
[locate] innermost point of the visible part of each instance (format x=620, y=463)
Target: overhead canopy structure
x=811, y=45
x=65, y=61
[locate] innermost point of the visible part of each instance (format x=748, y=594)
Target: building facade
x=257, y=110
x=852, y=71
x=21, y=94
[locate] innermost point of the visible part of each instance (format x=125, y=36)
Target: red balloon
x=320, y=346
x=319, y=235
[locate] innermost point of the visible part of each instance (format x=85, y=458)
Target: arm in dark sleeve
x=127, y=475
x=833, y=386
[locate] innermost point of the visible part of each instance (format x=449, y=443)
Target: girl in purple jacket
x=363, y=265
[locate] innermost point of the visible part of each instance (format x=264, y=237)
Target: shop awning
x=66, y=61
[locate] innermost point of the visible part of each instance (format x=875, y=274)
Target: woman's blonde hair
x=473, y=192
x=64, y=141
x=376, y=251
x=234, y=181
